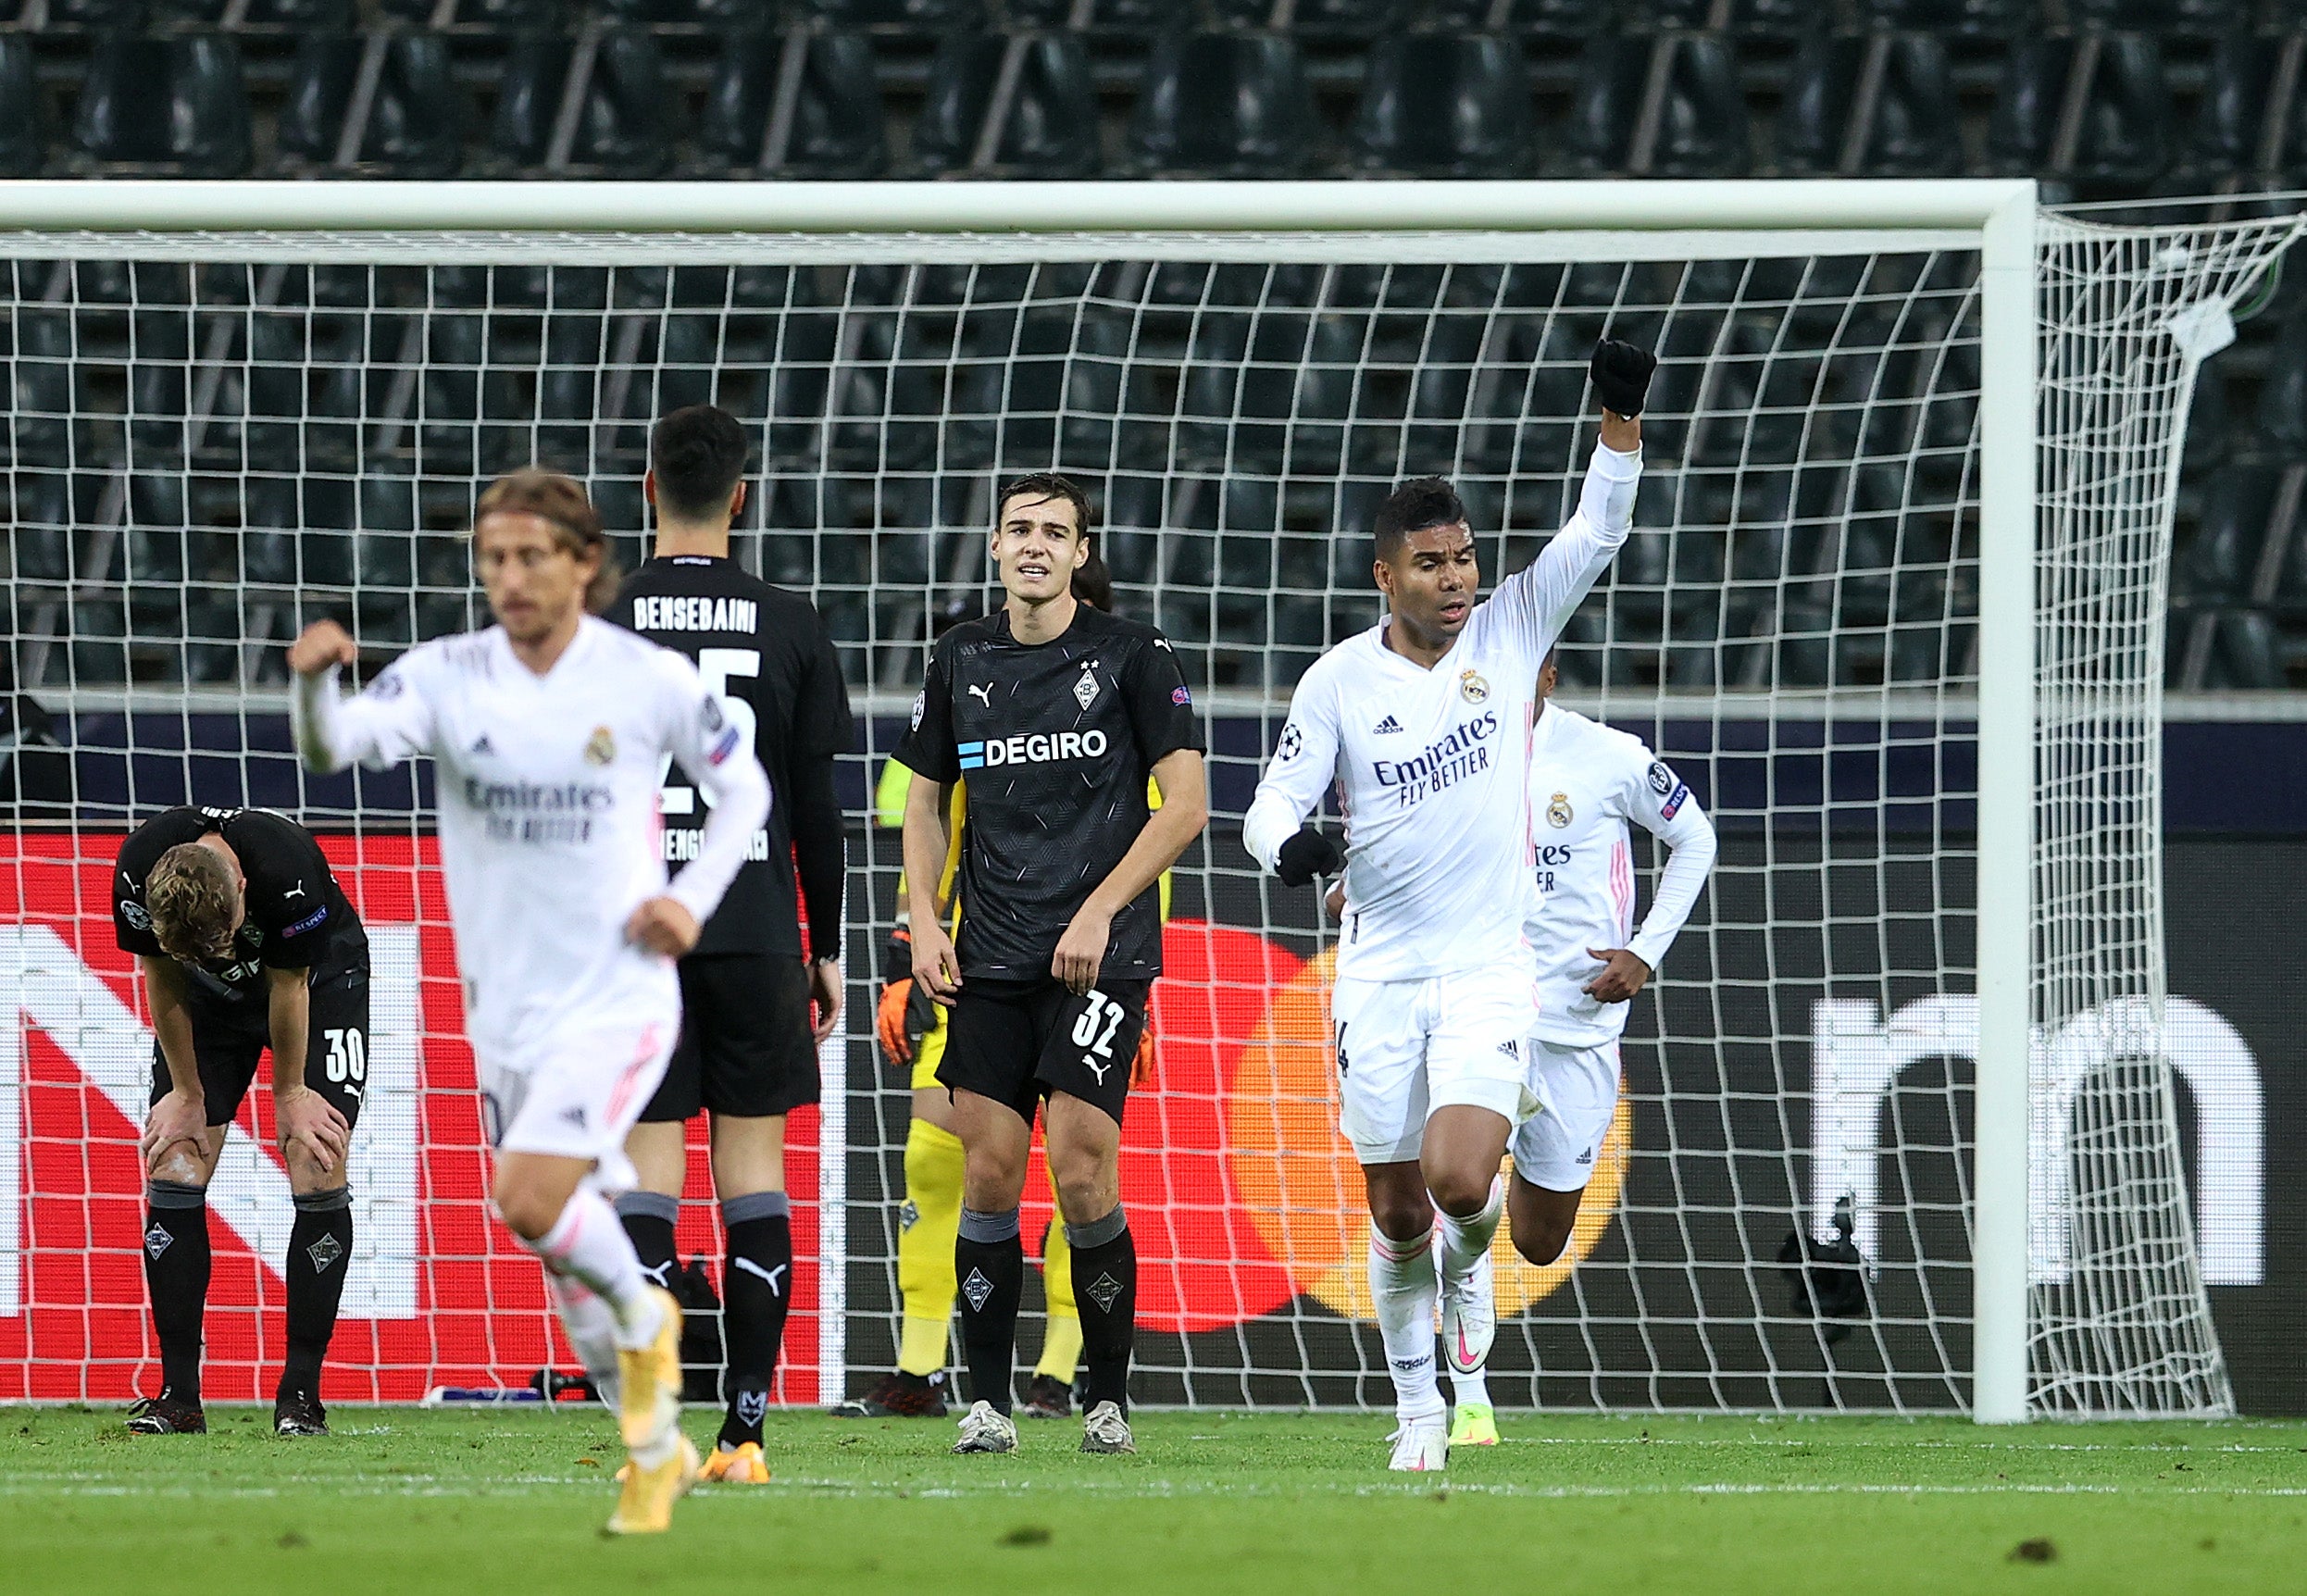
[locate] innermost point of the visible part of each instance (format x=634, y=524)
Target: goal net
x=1901, y=1110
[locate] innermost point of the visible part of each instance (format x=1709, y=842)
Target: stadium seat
x=2116, y=147
x=1764, y=16
x=412, y=117
x=1224, y=105
x=40, y=394
x=932, y=18
x=1993, y=18
x=715, y=13
x=1695, y=127
x=95, y=15
x=483, y=15
x=304, y=17
x=1314, y=19
x=831, y=128
x=1443, y=105
x=617, y=127
x=2227, y=149
x=2199, y=17
x=24, y=112
x=1556, y=18
x=1874, y=105
x=170, y=105
x=1009, y=106
x=2281, y=432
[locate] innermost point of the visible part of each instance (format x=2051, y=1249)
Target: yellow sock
x=928, y=1224
x=1061, y=1347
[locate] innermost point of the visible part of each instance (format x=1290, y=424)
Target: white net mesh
x=213, y=441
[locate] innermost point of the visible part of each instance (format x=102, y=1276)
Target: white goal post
x=2055, y=513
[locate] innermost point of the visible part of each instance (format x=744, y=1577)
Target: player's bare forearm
x=1185, y=809
x=1622, y=433
x=289, y=1015
x=312, y=1134
x=936, y=967
x=171, y=1023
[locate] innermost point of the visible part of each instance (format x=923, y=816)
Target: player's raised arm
x=387, y=723
x=1542, y=597
x=1662, y=803
x=1305, y=763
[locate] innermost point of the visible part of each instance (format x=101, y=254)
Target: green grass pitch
x=403, y=1500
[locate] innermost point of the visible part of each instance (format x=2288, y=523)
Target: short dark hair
x=698, y=453
x=1418, y=503
x=1045, y=485
x=1092, y=583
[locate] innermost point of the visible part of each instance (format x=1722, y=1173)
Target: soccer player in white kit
x=1588, y=782
x=550, y=732
x=1423, y=723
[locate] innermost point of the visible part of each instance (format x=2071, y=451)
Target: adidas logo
x=1512, y=1050
x=574, y=1115
x=483, y=745
x=1386, y=726
x=1586, y=1157
x=1104, y=1291
x=978, y=1289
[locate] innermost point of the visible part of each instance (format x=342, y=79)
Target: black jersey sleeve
x=291, y=891
x=131, y=924
x=1161, y=705
x=927, y=748
x=822, y=725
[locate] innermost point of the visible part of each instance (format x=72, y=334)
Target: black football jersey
x=1055, y=742
x=297, y=916
x=767, y=654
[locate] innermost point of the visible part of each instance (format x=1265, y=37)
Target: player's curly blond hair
x=194, y=901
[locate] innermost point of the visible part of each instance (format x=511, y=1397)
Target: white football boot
x=1421, y=1445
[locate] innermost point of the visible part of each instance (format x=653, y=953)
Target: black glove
x=1306, y=855
x=897, y=956
x=1621, y=372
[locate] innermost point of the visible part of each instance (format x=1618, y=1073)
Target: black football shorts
x=1019, y=1042
x=230, y=1037
x=745, y=1048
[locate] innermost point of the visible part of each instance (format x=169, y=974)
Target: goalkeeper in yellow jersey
x=912, y=1033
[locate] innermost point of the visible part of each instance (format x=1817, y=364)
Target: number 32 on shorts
x=1093, y=1032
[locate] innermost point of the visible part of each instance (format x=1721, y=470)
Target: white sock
x=592, y=1330
x=1465, y=1242
x=1470, y=1391
x=1402, y=1289
x=589, y=1246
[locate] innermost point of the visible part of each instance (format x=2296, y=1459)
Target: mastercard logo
x=1242, y=1194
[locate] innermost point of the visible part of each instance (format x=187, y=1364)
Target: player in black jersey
x=245, y=942
x=748, y=1047
x=1055, y=714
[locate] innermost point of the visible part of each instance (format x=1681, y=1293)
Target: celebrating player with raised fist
x=1056, y=713
x=550, y=732
x=245, y=942
x=1422, y=722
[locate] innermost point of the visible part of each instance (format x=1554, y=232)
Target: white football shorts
x=577, y=1091
x=1577, y=1088
x=1408, y=1048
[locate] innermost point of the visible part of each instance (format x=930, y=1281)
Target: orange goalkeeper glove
x=1142, y=1067
x=905, y=1010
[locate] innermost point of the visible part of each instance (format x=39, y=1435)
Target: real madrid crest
x=1472, y=688
x=601, y=747
x=1558, y=811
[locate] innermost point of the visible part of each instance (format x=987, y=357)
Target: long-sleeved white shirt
x=548, y=805
x=1431, y=765
x=1587, y=783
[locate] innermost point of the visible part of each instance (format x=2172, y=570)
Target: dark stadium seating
x=1989, y=18
x=1555, y=19
x=1695, y=126
x=411, y=113
x=589, y=104
x=298, y=15
x=931, y=18
x=1222, y=105
x=2089, y=113
x=1878, y=104
x=2227, y=146
x=820, y=118
x=1009, y=106
x=165, y=105
x=24, y=112
x=1443, y=105
x=484, y=16
x=2168, y=16
x=1763, y=16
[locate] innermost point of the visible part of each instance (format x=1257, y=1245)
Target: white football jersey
x=1587, y=782
x=547, y=788
x=1431, y=765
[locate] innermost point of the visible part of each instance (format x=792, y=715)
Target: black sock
x=756, y=1289
x=989, y=1263
x=1105, y=1289
x=320, y=1250
x=648, y=1219
x=176, y=1274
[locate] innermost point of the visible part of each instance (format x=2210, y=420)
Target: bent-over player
x=748, y=1052
x=550, y=732
x=245, y=942
x=1056, y=713
x=1423, y=724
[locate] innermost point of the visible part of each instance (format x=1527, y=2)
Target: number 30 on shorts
x=347, y=1058
x=1100, y=1018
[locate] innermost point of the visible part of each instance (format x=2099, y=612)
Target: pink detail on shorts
x=1622, y=886
x=642, y=1055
